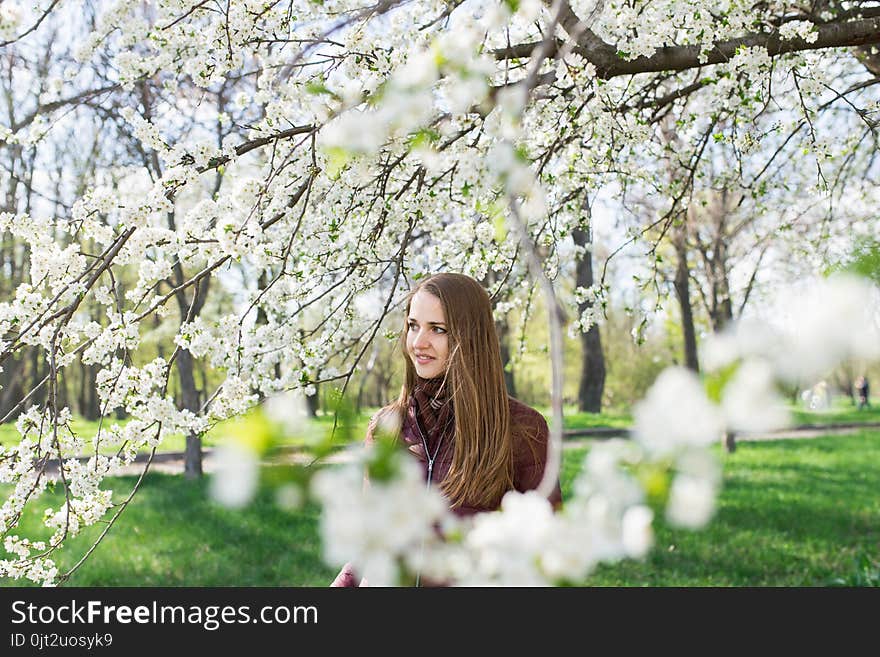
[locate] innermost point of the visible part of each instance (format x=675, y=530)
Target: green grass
x=177, y=442
x=88, y=428
x=610, y=419
x=791, y=513
x=173, y=535
x=842, y=410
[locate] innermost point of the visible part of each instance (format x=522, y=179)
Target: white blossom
x=236, y=475
x=377, y=526
x=751, y=402
x=676, y=412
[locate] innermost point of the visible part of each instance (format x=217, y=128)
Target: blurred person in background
x=863, y=390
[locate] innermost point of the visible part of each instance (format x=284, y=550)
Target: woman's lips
x=424, y=359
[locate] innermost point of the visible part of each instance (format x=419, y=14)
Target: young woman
x=474, y=441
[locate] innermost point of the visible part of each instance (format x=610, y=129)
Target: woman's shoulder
x=531, y=438
x=526, y=418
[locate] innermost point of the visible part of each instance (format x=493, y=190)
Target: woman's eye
x=438, y=329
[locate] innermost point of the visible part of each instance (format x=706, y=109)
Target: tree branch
x=609, y=64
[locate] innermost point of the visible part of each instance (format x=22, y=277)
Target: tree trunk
x=89, y=405
x=683, y=293
x=365, y=377
x=312, y=402
x=83, y=386
x=503, y=330
x=729, y=441
x=12, y=390
x=592, y=378
x=189, y=394
x=592, y=382
x=62, y=392
x=37, y=374
x=190, y=399
x=722, y=308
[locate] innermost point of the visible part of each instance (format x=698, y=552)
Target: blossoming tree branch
x=249, y=188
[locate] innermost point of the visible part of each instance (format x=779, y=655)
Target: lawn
x=573, y=419
x=173, y=535
x=841, y=411
x=791, y=513
x=176, y=442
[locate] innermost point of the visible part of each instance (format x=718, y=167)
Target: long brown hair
x=482, y=463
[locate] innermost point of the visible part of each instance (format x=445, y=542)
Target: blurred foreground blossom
x=396, y=530
x=289, y=497
x=751, y=402
x=507, y=544
x=288, y=409
x=637, y=535
x=676, y=412
x=808, y=332
x=235, y=479
x=376, y=526
x=835, y=319
x=694, y=490
x=691, y=502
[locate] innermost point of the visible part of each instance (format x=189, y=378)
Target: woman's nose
x=422, y=339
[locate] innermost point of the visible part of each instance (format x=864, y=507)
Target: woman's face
x=427, y=340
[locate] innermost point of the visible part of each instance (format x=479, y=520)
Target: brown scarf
x=434, y=412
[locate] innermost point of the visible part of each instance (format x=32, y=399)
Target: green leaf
x=253, y=431
x=716, y=381
x=498, y=222
x=656, y=480
x=318, y=88
x=337, y=159
x=423, y=137
x=383, y=466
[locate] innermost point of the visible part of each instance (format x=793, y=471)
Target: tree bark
x=313, y=401
x=592, y=378
x=89, y=407
x=36, y=374
x=503, y=330
x=11, y=379
x=683, y=293
x=189, y=393
x=192, y=468
x=604, y=56
x=722, y=314
x=729, y=442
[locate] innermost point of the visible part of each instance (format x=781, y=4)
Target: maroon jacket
x=528, y=463
x=529, y=452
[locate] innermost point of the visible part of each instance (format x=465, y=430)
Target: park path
x=172, y=462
